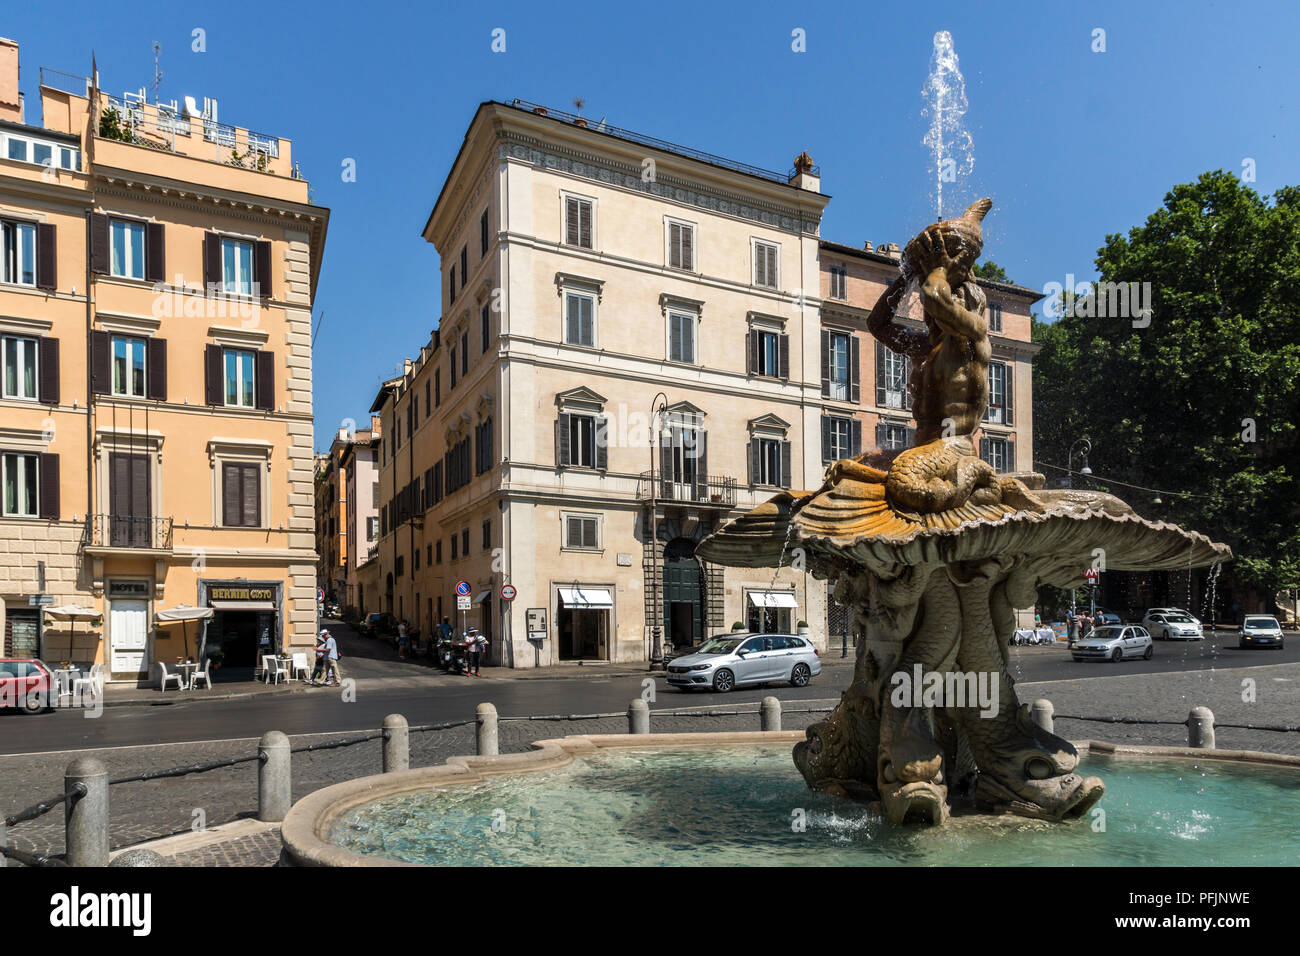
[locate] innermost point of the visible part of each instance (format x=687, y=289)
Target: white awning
x=482, y=596
x=772, y=599
x=243, y=605
x=583, y=599
x=183, y=612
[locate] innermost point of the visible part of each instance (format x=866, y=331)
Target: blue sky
x=1071, y=144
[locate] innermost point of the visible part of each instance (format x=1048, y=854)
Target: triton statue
x=932, y=551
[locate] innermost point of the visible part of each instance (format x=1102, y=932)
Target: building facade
x=627, y=356
x=156, y=441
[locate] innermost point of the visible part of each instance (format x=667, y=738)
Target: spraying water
x=945, y=104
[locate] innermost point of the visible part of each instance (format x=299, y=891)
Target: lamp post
x=658, y=406
x=1084, y=446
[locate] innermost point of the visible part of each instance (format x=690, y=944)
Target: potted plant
x=737, y=626
x=803, y=628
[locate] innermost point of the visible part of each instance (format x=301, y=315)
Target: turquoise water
x=743, y=807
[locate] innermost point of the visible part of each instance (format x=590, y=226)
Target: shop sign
x=241, y=594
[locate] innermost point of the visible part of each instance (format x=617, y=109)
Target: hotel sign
x=241, y=594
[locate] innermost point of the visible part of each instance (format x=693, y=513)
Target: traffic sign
x=462, y=602
x=1091, y=575
x=508, y=592
x=462, y=588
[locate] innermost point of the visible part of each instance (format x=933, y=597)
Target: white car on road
x=1172, y=625
x=1114, y=642
x=732, y=661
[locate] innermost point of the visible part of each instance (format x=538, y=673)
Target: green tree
x=988, y=269
x=1204, y=398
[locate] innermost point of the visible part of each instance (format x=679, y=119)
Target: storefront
x=245, y=624
x=584, y=622
x=770, y=612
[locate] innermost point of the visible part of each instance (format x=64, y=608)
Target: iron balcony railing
x=716, y=490
x=662, y=144
x=128, y=531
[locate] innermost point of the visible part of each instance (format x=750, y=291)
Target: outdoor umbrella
x=184, y=613
x=74, y=613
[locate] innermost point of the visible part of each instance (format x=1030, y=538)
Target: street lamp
x=1084, y=446
x=658, y=407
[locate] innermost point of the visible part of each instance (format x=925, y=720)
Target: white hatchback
x=1114, y=642
x=1171, y=625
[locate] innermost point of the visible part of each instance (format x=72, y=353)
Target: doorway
x=128, y=633
x=683, y=594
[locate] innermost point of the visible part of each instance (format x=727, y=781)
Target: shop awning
x=183, y=612
x=242, y=605
x=482, y=596
x=584, y=599
x=772, y=599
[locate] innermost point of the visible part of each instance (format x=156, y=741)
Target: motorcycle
x=453, y=656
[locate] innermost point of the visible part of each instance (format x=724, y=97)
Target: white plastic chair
x=94, y=683
x=204, y=675
x=271, y=668
x=162, y=683
x=300, y=667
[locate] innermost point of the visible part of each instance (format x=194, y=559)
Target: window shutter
x=213, y=375
x=783, y=342
x=880, y=435
x=562, y=441
x=155, y=257
x=760, y=264
x=702, y=465
x=785, y=464
x=855, y=438
x=880, y=374
x=49, y=359
x=602, y=442
x=688, y=247
x=771, y=266
x=211, y=260
x=100, y=260
x=46, y=257
x=909, y=438
x=1011, y=453
x=827, y=451
x=266, y=381
x=674, y=245
x=1008, y=393
x=666, y=467
x=231, y=495
x=855, y=362
x=571, y=221
x=156, y=369
x=584, y=224
x=907, y=382
x=751, y=351
x=48, y=465
x=252, y=497
x=826, y=363
x=262, y=268
x=100, y=355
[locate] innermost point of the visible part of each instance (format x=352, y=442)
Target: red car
x=27, y=683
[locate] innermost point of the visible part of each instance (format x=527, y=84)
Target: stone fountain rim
x=302, y=833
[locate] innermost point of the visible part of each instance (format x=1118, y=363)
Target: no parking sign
x=462, y=588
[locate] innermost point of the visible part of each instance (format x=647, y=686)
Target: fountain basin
x=735, y=799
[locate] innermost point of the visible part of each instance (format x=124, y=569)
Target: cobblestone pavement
x=152, y=809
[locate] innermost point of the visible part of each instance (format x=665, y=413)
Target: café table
x=187, y=669
x=66, y=677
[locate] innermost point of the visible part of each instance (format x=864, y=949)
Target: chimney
x=374, y=424
x=892, y=250
x=804, y=176
x=869, y=246
x=11, y=100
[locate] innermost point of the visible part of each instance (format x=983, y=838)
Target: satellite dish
x=191, y=107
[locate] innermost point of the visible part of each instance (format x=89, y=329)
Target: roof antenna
x=157, y=73
x=579, y=103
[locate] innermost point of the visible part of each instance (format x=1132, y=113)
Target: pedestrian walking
x=401, y=640
x=471, y=652
x=331, y=659
x=322, y=658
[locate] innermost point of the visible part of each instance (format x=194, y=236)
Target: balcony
x=127, y=533
x=716, y=491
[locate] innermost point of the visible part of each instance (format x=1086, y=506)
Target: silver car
x=1114, y=642
x=1170, y=625
x=738, y=659
x=1260, y=630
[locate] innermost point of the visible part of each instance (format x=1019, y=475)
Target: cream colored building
x=612, y=305
x=157, y=440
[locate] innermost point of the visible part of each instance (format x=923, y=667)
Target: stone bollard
x=638, y=717
x=1043, y=714
x=397, y=743
x=274, y=777
x=486, y=731
x=86, y=817
x=769, y=714
x=1200, y=728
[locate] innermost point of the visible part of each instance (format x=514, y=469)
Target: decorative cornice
x=667, y=299
x=623, y=176
x=568, y=278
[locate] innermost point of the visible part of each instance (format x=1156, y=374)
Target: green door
x=683, y=594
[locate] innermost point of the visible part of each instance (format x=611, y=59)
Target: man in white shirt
x=331, y=659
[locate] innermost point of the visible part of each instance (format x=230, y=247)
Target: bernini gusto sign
x=241, y=594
